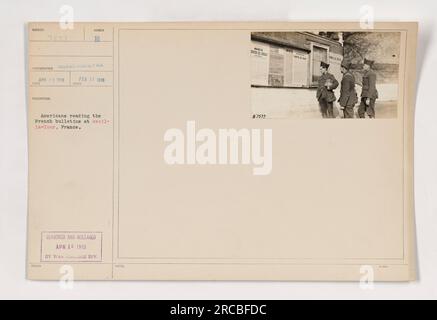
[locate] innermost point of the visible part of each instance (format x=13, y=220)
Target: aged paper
x=221, y=151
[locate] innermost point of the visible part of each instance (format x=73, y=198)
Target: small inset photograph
x=324, y=75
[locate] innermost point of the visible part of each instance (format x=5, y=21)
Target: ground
x=282, y=103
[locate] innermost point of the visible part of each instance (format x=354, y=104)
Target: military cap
x=368, y=62
x=324, y=65
x=346, y=64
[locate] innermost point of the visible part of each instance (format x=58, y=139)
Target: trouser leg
x=330, y=109
x=348, y=112
x=362, y=108
x=323, y=108
x=371, y=109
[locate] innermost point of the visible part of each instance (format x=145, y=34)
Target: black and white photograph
x=320, y=74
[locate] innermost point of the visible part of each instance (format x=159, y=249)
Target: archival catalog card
x=221, y=151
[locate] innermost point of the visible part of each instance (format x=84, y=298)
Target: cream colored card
x=180, y=151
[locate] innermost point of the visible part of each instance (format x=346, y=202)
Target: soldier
x=369, y=93
x=325, y=91
x=348, y=95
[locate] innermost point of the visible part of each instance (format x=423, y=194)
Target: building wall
x=300, y=40
x=284, y=103
x=292, y=59
x=299, y=102
x=292, y=54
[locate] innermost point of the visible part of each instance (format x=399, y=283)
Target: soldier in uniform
x=325, y=91
x=348, y=95
x=369, y=93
